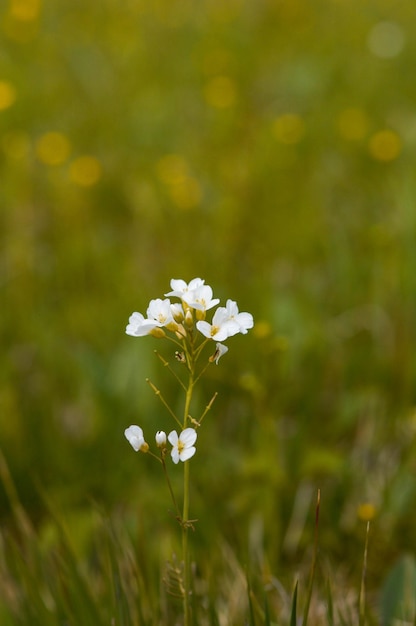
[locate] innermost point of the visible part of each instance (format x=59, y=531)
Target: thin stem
x=207, y=408
x=167, y=364
x=185, y=514
x=362, y=600
x=163, y=401
x=172, y=495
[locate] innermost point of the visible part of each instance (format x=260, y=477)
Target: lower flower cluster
x=182, y=445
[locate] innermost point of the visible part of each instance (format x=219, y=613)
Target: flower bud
x=180, y=332
x=158, y=332
x=189, y=318
x=160, y=439
x=177, y=312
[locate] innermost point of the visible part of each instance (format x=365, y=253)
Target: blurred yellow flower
x=352, y=124
x=262, y=329
x=172, y=169
x=288, y=128
x=25, y=10
x=186, y=194
x=220, y=92
x=53, y=148
x=7, y=95
x=85, y=171
x=385, y=145
x=366, y=511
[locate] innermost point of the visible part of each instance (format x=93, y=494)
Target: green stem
x=185, y=514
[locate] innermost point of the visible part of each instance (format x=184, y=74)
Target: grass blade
x=330, y=604
x=362, y=598
x=293, y=617
x=314, y=561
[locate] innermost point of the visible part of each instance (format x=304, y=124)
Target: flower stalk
x=184, y=324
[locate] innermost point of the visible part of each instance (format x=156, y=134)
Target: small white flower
x=183, y=446
x=200, y=298
x=134, y=435
x=160, y=311
x=180, y=287
x=220, y=350
x=243, y=320
x=138, y=326
x=160, y=439
x=221, y=327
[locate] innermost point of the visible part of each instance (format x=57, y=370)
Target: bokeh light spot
x=53, y=148
x=262, y=329
x=220, y=92
x=85, y=171
x=183, y=189
x=289, y=128
x=7, y=95
x=386, y=40
x=25, y=10
x=172, y=168
x=385, y=145
x=366, y=511
x=186, y=194
x=352, y=124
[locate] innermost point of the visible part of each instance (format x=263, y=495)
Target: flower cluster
x=182, y=446
x=195, y=299
x=184, y=322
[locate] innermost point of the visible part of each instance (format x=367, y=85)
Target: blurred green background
x=268, y=147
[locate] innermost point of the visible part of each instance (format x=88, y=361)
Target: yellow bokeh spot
x=288, y=128
x=220, y=92
x=172, y=169
x=184, y=189
x=7, y=95
x=262, y=329
x=25, y=10
x=366, y=511
x=352, y=124
x=385, y=145
x=186, y=194
x=85, y=171
x=53, y=148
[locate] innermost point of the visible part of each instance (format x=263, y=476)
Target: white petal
x=204, y=328
x=232, y=308
x=187, y=453
x=188, y=436
x=134, y=435
x=195, y=283
x=245, y=320
x=173, y=437
x=178, y=284
x=219, y=352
